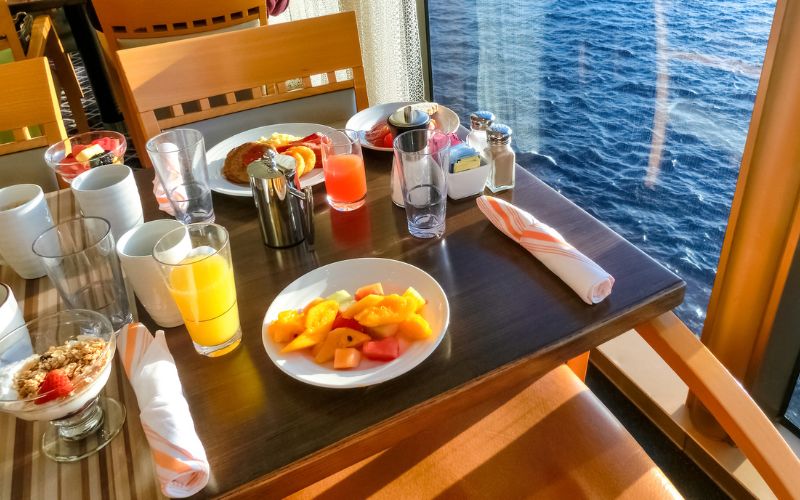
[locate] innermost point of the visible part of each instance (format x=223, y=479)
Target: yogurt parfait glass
x=81, y=422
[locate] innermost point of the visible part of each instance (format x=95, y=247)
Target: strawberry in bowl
x=79, y=153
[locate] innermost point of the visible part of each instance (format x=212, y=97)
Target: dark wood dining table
x=512, y=320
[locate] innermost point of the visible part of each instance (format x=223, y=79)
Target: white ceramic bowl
x=447, y=120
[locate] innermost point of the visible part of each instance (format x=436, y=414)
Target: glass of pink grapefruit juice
x=343, y=164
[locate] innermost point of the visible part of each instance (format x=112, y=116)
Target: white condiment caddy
x=467, y=183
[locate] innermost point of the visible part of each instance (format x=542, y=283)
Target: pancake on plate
x=235, y=166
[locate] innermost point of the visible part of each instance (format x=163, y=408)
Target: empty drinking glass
x=179, y=157
x=422, y=157
x=81, y=261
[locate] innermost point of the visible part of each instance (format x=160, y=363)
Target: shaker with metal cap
x=479, y=122
x=500, y=157
x=284, y=211
x=404, y=119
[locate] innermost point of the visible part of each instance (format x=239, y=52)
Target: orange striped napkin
x=590, y=281
x=181, y=464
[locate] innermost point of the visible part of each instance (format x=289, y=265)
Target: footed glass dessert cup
x=53, y=369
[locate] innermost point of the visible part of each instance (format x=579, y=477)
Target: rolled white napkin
x=161, y=197
x=178, y=454
x=590, y=281
x=170, y=170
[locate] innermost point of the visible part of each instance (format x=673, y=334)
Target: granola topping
x=77, y=358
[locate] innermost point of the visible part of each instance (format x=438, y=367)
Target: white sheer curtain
x=389, y=36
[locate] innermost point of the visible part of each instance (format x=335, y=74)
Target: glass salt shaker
x=479, y=122
x=500, y=157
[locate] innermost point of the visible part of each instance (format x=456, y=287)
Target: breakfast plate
x=216, y=155
x=365, y=119
x=351, y=274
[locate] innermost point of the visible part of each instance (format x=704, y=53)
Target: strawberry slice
x=56, y=384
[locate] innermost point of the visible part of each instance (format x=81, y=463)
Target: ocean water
x=635, y=110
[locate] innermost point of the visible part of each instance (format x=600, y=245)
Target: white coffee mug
x=10, y=315
x=110, y=192
x=23, y=217
x=135, y=250
x=15, y=343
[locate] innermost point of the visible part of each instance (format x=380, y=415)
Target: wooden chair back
x=206, y=77
x=29, y=99
x=8, y=33
x=44, y=42
x=141, y=19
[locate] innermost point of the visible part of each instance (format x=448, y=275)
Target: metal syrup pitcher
x=285, y=212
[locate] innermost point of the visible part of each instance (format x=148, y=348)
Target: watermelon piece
x=382, y=350
x=107, y=143
x=70, y=166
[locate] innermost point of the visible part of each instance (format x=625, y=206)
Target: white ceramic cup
x=23, y=217
x=15, y=343
x=110, y=192
x=10, y=315
x=135, y=250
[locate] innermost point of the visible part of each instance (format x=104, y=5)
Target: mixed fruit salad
x=344, y=328
x=84, y=151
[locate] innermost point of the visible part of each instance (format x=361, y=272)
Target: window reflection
x=637, y=111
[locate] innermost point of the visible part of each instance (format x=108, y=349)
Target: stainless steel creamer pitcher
x=286, y=213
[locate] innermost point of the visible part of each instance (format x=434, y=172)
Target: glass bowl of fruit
x=79, y=153
x=53, y=369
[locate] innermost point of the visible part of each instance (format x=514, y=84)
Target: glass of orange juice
x=343, y=164
x=195, y=261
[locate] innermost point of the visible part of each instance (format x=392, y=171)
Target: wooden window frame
x=755, y=263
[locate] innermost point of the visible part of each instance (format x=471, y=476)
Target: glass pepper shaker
x=479, y=122
x=500, y=157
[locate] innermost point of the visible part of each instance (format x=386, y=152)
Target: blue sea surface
x=635, y=110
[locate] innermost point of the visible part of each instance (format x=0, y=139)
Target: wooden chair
x=239, y=71
x=148, y=22
x=46, y=43
x=28, y=101
x=137, y=22
x=553, y=439
x=8, y=34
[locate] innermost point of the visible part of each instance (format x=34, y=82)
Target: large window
x=636, y=111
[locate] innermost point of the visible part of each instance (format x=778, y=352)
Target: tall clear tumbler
x=422, y=157
x=179, y=157
x=195, y=261
x=80, y=258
